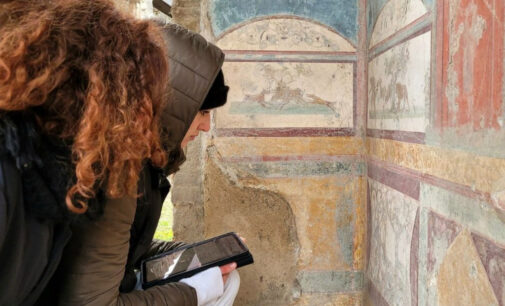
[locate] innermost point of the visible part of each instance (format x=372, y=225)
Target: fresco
x=450, y=216
x=288, y=95
x=340, y=15
x=472, y=49
x=328, y=222
x=396, y=15
x=291, y=34
x=399, y=86
x=393, y=216
x=493, y=259
x=462, y=279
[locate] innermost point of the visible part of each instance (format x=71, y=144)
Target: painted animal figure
x=402, y=98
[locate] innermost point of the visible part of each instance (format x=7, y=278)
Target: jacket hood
x=193, y=65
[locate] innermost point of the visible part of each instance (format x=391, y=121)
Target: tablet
x=188, y=260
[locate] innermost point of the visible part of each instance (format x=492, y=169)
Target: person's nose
x=205, y=125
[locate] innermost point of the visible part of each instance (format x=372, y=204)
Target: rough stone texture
x=266, y=220
x=187, y=13
x=187, y=196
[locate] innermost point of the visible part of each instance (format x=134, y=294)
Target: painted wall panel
x=462, y=279
x=374, y=8
x=493, y=258
x=278, y=34
x=338, y=14
x=329, y=222
x=395, y=15
x=478, y=216
x=266, y=95
x=472, y=49
x=399, y=87
x=393, y=217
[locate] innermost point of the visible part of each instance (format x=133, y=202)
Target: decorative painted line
x=407, y=185
x=290, y=52
x=268, y=158
x=414, y=261
x=330, y=281
x=287, y=146
x=284, y=132
x=412, y=137
x=478, y=173
x=441, y=109
x=283, y=56
x=410, y=174
x=290, y=169
x=477, y=216
x=420, y=26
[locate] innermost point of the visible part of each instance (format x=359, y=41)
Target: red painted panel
x=473, y=63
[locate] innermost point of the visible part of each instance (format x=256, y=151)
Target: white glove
x=208, y=285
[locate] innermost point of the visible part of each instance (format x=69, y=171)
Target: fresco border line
x=406, y=184
x=355, y=95
x=282, y=52
x=404, y=136
x=295, y=58
x=418, y=27
x=284, y=132
x=369, y=225
x=441, y=111
x=315, y=157
x=298, y=169
x=464, y=190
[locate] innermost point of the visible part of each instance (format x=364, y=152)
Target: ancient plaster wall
x=435, y=153
x=284, y=166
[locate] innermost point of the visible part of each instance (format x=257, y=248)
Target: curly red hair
x=90, y=75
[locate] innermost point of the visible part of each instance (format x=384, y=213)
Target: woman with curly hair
x=81, y=86
x=108, y=253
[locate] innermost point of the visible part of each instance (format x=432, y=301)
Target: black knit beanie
x=217, y=95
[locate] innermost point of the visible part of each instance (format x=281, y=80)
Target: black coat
x=34, y=225
x=153, y=189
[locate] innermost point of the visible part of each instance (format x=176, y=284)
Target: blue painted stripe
x=340, y=15
x=330, y=281
x=301, y=168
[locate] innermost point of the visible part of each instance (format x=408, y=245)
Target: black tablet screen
x=192, y=258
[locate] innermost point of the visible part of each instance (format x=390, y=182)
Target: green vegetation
x=164, y=230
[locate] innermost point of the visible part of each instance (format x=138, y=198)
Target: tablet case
x=242, y=259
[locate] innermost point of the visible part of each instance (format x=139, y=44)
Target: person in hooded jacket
x=81, y=86
x=107, y=254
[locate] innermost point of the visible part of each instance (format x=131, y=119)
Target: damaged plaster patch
x=267, y=222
